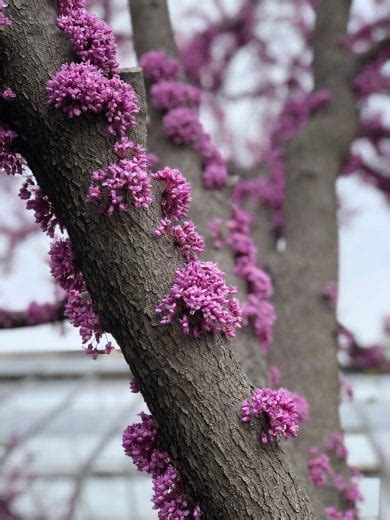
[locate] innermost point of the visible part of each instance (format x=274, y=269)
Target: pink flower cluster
x=200, y=300
x=92, y=38
x=181, y=122
x=157, y=66
x=175, y=202
x=167, y=95
x=176, y=197
x=332, y=513
x=122, y=180
x=94, y=86
x=257, y=309
x=140, y=442
x=278, y=408
x=319, y=467
x=322, y=473
x=188, y=239
x=78, y=308
x=3, y=19
x=40, y=204
x=11, y=163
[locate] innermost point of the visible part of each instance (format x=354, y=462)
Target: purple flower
x=278, y=407
x=176, y=197
x=200, y=300
x=158, y=66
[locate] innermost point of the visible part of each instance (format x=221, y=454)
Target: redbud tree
x=209, y=254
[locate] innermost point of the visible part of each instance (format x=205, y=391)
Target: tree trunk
x=193, y=387
x=305, y=334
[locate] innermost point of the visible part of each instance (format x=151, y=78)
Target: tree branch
x=35, y=314
x=364, y=58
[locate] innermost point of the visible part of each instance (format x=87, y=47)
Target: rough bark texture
x=193, y=387
x=305, y=344
x=152, y=30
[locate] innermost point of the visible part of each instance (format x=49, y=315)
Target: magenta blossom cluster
x=78, y=308
x=200, y=300
x=11, y=163
x=40, y=204
x=175, y=202
x=176, y=197
x=3, y=19
x=184, y=236
x=322, y=474
x=278, y=408
x=94, y=86
x=258, y=309
x=140, y=442
x=179, y=101
x=81, y=87
x=319, y=467
x=122, y=180
x=157, y=66
x=92, y=38
x=167, y=95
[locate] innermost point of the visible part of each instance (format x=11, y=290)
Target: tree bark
x=193, y=387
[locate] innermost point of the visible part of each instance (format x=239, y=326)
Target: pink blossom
x=121, y=181
x=200, y=300
x=139, y=441
x=158, y=66
x=7, y=94
x=168, y=497
x=167, y=95
x=333, y=513
x=215, y=175
x=92, y=38
x=78, y=88
x=65, y=6
x=262, y=316
x=335, y=443
x=176, y=197
x=11, y=163
x=133, y=386
x=37, y=313
x=63, y=266
x=278, y=407
x=302, y=406
x=40, y=204
x=3, y=19
x=319, y=467
x=188, y=240
x=182, y=126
